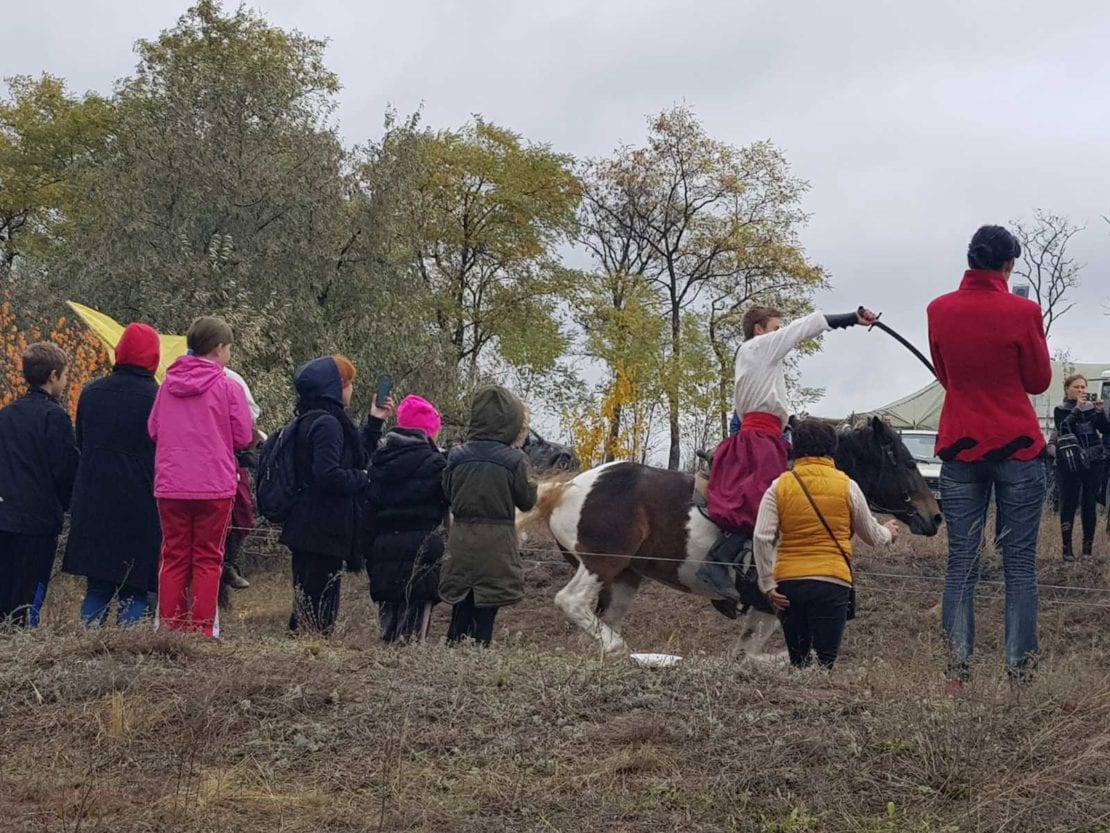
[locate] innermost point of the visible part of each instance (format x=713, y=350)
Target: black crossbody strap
x=824, y=523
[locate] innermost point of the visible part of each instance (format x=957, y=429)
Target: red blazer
x=990, y=353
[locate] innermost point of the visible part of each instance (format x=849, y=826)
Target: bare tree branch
x=1045, y=264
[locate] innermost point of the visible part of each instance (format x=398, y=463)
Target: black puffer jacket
x=408, y=505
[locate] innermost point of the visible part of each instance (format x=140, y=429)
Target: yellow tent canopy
x=108, y=330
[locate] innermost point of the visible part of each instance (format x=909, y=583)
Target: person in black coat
x=323, y=527
x=1087, y=421
x=114, y=534
x=408, y=505
x=38, y=461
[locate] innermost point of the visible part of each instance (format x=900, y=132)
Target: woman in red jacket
x=990, y=354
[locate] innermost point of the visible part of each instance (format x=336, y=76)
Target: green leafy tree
x=480, y=228
x=45, y=134
x=224, y=189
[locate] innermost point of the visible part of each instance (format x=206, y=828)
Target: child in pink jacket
x=200, y=418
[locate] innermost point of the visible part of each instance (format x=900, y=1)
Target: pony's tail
x=549, y=494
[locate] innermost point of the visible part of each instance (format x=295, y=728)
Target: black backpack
x=1071, y=456
x=277, y=485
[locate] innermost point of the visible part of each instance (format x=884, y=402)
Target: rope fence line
x=272, y=534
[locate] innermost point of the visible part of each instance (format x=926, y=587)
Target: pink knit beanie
x=415, y=412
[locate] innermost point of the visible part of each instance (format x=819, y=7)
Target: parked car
x=548, y=456
x=922, y=445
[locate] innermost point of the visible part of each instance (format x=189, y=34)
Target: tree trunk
x=724, y=379
x=613, y=438
x=674, y=459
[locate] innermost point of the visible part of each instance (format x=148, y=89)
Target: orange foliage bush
x=88, y=357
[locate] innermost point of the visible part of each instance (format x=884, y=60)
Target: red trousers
x=192, y=559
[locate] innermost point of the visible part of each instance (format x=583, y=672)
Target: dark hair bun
x=991, y=247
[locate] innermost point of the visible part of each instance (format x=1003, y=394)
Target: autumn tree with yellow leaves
x=701, y=229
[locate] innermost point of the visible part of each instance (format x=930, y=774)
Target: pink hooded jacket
x=200, y=418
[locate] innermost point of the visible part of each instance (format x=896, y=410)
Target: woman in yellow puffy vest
x=804, y=572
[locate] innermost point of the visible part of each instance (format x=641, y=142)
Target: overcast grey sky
x=913, y=122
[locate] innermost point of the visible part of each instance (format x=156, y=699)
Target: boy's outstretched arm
x=779, y=343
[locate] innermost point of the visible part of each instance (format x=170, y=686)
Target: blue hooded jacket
x=332, y=459
x=318, y=380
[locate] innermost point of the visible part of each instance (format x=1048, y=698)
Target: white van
x=922, y=445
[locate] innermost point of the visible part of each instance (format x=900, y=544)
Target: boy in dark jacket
x=408, y=505
x=38, y=461
x=486, y=481
x=323, y=527
x=114, y=533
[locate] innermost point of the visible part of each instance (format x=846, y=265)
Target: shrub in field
x=86, y=353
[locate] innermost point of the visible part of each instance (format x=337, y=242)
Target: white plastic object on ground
x=655, y=660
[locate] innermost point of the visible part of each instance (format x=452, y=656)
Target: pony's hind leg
x=620, y=591
x=578, y=600
x=759, y=628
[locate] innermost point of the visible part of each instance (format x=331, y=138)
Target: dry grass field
x=144, y=731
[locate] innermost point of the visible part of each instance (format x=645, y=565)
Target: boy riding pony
x=746, y=463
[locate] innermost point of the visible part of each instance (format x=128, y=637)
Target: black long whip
x=905, y=343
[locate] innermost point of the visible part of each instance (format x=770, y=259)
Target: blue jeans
x=965, y=491
x=133, y=604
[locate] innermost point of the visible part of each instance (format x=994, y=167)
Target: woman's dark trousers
x=1079, y=492
x=814, y=622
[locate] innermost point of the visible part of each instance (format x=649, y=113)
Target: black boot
x=234, y=579
x=716, y=571
x=1088, y=548
x=1065, y=533
x=231, y=576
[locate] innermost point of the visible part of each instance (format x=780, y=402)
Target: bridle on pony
x=887, y=459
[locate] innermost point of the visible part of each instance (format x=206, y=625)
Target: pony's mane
x=864, y=434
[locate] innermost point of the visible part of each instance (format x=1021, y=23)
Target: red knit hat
x=415, y=412
x=139, y=347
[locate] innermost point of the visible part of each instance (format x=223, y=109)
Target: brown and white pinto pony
x=623, y=522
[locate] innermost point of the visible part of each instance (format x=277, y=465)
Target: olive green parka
x=487, y=480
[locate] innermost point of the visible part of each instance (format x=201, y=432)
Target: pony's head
x=876, y=458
